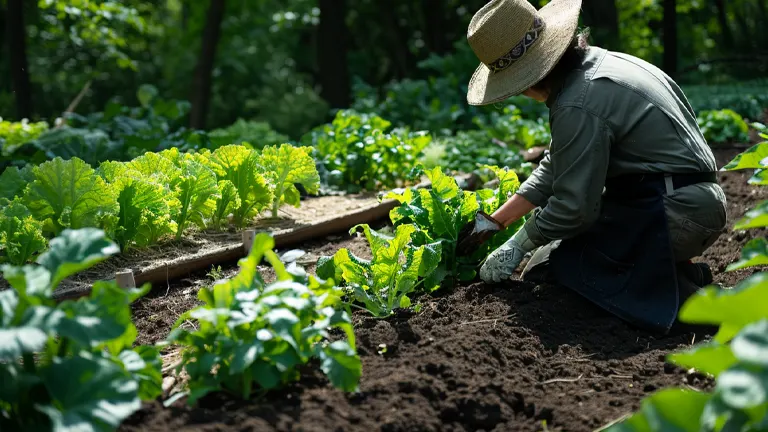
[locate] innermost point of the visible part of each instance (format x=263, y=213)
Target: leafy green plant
x=357, y=153
x=468, y=151
x=253, y=336
x=510, y=128
x=69, y=194
x=15, y=134
x=197, y=192
x=723, y=126
x=254, y=133
x=240, y=165
x=21, y=235
x=737, y=356
x=384, y=282
x=69, y=365
x=286, y=166
x=440, y=213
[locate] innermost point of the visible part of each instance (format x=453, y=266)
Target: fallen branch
x=566, y=380
x=489, y=319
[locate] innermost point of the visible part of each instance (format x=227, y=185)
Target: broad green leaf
x=670, y=410
x=285, y=166
x=89, y=393
x=239, y=165
x=751, y=344
x=266, y=375
x=469, y=207
x=158, y=166
x=741, y=388
x=30, y=281
x=228, y=202
x=440, y=220
x=352, y=272
x=755, y=157
x=739, y=306
x=755, y=253
x=144, y=364
x=12, y=183
x=342, y=365
x=146, y=94
x=508, y=182
x=197, y=192
x=143, y=205
x=285, y=324
x=760, y=177
x=754, y=218
x=16, y=341
x=244, y=355
x=712, y=358
x=9, y=301
x=69, y=194
x=443, y=186
x=21, y=235
x=376, y=240
x=74, y=251
x=430, y=259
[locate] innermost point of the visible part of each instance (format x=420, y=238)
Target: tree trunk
x=434, y=34
x=201, y=91
x=602, y=17
x=670, y=37
x=332, y=53
x=17, y=44
x=397, y=45
x=722, y=19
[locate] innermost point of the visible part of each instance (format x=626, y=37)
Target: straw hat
x=517, y=45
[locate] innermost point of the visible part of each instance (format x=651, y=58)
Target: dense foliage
x=152, y=197
x=723, y=126
x=421, y=253
x=737, y=356
x=252, y=336
x=71, y=365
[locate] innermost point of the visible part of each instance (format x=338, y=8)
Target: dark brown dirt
x=509, y=357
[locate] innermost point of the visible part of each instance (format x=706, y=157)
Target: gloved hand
x=477, y=232
x=502, y=263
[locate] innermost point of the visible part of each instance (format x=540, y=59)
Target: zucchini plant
x=71, y=366
x=252, y=336
x=737, y=356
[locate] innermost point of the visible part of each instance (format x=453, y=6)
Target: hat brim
x=561, y=18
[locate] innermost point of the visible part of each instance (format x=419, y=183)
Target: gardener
x=627, y=193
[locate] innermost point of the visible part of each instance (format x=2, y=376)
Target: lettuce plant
x=240, y=165
x=440, y=213
x=722, y=126
x=737, y=356
x=251, y=336
x=69, y=194
x=286, y=166
x=358, y=152
x=396, y=270
x=70, y=366
x=21, y=235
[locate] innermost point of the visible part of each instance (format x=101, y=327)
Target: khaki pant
x=696, y=217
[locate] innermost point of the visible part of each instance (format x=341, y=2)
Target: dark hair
x=572, y=58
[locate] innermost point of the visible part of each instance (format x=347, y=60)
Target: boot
x=698, y=273
x=691, y=277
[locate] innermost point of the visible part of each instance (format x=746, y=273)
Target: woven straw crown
x=498, y=26
x=517, y=45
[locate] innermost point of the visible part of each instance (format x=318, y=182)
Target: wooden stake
x=124, y=279
x=248, y=237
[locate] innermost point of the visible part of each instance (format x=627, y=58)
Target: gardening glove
x=502, y=263
x=477, y=232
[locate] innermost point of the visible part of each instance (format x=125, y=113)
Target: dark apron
x=624, y=262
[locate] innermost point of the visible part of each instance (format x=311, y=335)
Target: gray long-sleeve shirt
x=614, y=115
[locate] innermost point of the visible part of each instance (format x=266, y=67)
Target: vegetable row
x=150, y=198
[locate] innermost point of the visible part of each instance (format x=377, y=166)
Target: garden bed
x=484, y=357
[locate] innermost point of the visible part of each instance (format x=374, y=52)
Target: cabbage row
x=150, y=198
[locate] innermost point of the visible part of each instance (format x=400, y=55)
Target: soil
x=483, y=357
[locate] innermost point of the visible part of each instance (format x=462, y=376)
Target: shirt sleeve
x=538, y=187
x=580, y=150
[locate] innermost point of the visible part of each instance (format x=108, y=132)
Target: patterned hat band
x=521, y=48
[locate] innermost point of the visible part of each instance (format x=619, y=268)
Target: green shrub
x=723, y=126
